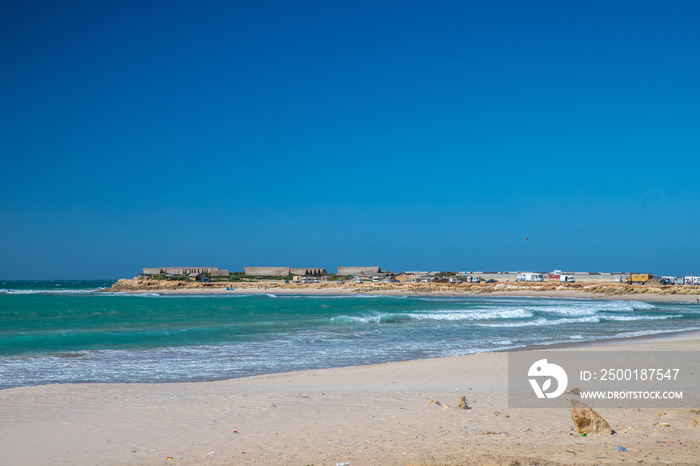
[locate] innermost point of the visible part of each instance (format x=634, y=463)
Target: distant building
x=267, y=271
x=412, y=277
x=308, y=271
x=348, y=271
x=284, y=271
x=151, y=271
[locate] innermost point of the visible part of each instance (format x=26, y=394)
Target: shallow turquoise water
x=57, y=332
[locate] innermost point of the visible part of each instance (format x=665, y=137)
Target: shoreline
x=664, y=337
x=375, y=414
x=600, y=343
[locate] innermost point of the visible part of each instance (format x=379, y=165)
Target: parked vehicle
x=491, y=280
x=567, y=279
x=669, y=281
x=639, y=278
x=691, y=280
x=529, y=277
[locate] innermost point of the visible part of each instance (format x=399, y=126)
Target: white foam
x=21, y=292
x=366, y=319
x=438, y=315
x=542, y=322
x=473, y=314
x=631, y=318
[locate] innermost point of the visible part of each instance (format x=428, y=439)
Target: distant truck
x=529, y=277
x=669, y=281
x=691, y=280
x=567, y=279
x=638, y=278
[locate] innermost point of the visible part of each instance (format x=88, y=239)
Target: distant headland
x=374, y=280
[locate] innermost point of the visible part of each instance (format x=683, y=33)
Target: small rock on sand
x=462, y=403
x=588, y=421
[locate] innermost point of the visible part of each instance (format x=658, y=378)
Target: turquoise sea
x=69, y=331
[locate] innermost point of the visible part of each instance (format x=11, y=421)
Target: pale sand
x=369, y=415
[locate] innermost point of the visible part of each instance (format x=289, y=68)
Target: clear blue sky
x=409, y=135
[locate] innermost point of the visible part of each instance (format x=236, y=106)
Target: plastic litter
x=621, y=448
x=342, y=464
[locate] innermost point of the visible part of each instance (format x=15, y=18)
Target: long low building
x=349, y=271
x=267, y=271
x=150, y=271
x=284, y=271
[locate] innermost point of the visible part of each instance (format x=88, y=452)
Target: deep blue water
x=67, y=331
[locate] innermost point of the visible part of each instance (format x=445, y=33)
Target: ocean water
x=70, y=332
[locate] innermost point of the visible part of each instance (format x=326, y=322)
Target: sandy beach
x=362, y=415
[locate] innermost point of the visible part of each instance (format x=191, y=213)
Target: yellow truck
x=640, y=278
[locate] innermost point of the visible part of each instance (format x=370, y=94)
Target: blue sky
x=409, y=135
